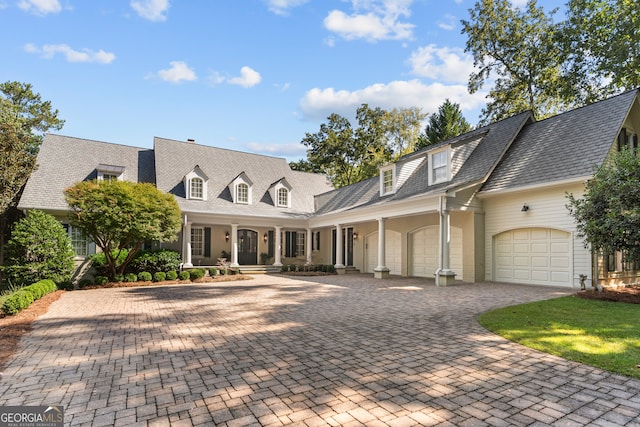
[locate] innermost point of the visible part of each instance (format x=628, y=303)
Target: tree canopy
x=119, y=215
x=447, y=123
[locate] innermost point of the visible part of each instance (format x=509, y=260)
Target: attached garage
x=425, y=251
x=540, y=256
x=393, y=252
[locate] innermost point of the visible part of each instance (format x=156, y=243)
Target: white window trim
x=237, y=198
x=191, y=192
x=447, y=178
x=118, y=177
x=394, y=181
x=283, y=205
x=193, y=247
x=187, y=183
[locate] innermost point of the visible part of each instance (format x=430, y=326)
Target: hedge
x=24, y=297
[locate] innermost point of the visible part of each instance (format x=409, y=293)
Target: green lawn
x=597, y=333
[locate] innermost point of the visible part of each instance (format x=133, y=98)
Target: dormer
x=439, y=165
x=109, y=172
x=240, y=189
x=388, y=179
x=195, y=184
x=280, y=192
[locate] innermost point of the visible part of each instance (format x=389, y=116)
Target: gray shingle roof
x=175, y=159
x=562, y=147
x=63, y=161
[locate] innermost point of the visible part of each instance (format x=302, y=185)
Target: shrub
x=131, y=277
x=213, y=272
x=144, y=276
x=99, y=260
x=39, y=248
x=330, y=268
x=83, y=283
x=155, y=261
x=196, y=273
x=172, y=275
x=184, y=275
x=100, y=280
x=17, y=301
x=118, y=278
x=67, y=286
x=159, y=276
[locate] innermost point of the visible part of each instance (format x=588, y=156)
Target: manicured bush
x=67, y=286
x=100, y=280
x=99, y=260
x=172, y=275
x=159, y=276
x=330, y=268
x=144, y=276
x=118, y=278
x=196, y=273
x=155, y=261
x=184, y=275
x=17, y=301
x=131, y=277
x=83, y=283
x=213, y=271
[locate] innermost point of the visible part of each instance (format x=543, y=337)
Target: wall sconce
x=525, y=208
x=355, y=236
x=226, y=236
x=265, y=237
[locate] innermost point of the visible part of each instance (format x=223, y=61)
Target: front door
x=247, y=247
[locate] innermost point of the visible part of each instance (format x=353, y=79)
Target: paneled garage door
x=393, y=252
x=540, y=256
x=424, y=244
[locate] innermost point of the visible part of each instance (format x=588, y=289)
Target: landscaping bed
x=627, y=294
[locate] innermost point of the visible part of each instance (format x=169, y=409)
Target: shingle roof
x=175, y=159
x=62, y=161
x=495, y=139
x=562, y=147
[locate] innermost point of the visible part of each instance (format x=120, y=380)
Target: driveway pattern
x=333, y=350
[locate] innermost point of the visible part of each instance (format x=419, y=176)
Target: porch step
x=351, y=270
x=258, y=269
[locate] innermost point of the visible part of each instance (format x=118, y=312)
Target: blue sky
x=249, y=75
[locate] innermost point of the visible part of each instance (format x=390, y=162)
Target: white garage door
x=425, y=251
x=393, y=252
x=540, y=256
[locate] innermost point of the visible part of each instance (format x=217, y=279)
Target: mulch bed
x=627, y=294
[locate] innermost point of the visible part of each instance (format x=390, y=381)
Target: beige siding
x=547, y=209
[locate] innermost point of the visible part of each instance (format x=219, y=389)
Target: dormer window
x=195, y=188
x=242, y=193
x=195, y=184
x=387, y=180
x=280, y=192
x=240, y=189
x=439, y=166
x=283, y=198
x=110, y=173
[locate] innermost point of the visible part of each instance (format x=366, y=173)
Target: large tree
x=120, y=215
x=608, y=213
x=518, y=50
x=447, y=123
x=347, y=155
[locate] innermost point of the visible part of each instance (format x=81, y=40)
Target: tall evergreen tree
x=447, y=123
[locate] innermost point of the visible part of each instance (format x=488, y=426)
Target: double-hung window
x=197, y=241
x=283, y=198
x=439, y=167
x=242, y=193
x=195, y=191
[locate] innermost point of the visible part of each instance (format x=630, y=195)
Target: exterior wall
x=547, y=209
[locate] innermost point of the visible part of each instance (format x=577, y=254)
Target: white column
x=444, y=275
x=234, y=245
x=308, y=249
x=339, y=260
x=381, y=271
x=278, y=247
x=186, y=243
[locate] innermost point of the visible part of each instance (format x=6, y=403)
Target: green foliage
x=99, y=260
x=118, y=278
x=196, y=273
x=159, y=276
x=39, y=249
x=447, y=123
x=184, y=275
x=83, y=283
x=66, y=285
x=145, y=276
x=213, y=272
x=172, y=275
x=155, y=261
x=123, y=214
x=24, y=297
x=101, y=280
x=131, y=277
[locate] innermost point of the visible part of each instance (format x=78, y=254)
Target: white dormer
x=280, y=193
x=110, y=172
x=195, y=184
x=241, y=189
x=440, y=165
x=388, y=180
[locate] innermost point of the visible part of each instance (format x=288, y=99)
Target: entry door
x=347, y=246
x=247, y=247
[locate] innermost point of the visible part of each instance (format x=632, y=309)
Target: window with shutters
x=197, y=241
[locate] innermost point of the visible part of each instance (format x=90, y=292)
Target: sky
x=248, y=75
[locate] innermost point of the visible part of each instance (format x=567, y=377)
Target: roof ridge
x=213, y=147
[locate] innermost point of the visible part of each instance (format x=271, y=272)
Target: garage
x=425, y=251
x=539, y=256
x=393, y=252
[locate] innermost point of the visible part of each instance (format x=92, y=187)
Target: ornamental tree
x=120, y=215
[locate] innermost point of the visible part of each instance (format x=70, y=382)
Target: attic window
x=196, y=188
x=195, y=184
x=283, y=197
x=387, y=180
x=110, y=172
x=242, y=193
x=439, y=166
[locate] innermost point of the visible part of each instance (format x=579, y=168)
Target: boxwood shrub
x=172, y=275
x=144, y=276
x=196, y=273
x=99, y=280
x=131, y=277
x=159, y=276
x=184, y=275
x=24, y=297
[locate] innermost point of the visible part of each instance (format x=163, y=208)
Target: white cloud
x=448, y=23
x=449, y=64
x=40, y=7
x=282, y=7
x=178, y=73
x=85, y=55
x=153, y=10
x=317, y=104
x=372, y=20
x=248, y=78
x=294, y=149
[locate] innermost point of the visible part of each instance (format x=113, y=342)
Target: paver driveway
x=333, y=350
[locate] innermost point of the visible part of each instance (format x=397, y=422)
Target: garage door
x=425, y=251
x=540, y=256
x=393, y=252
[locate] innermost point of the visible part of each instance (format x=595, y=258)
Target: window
x=439, y=167
x=197, y=241
x=109, y=177
x=79, y=241
x=300, y=243
x=283, y=197
x=294, y=244
x=196, y=188
x=387, y=181
x=242, y=193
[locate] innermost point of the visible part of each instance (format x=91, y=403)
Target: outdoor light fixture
x=525, y=208
x=265, y=237
x=355, y=236
x=226, y=236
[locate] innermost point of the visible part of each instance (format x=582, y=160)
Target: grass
x=597, y=333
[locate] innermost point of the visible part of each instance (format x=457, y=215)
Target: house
x=486, y=205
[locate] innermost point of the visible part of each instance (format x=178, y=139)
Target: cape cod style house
x=487, y=205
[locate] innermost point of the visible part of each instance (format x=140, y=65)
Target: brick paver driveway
x=345, y=351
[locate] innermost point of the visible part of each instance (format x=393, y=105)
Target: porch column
x=234, y=245
x=444, y=275
x=278, y=247
x=339, y=261
x=186, y=243
x=381, y=271
x=308, y=249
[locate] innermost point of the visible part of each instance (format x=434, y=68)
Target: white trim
x=447, y=151
x=491, y=193
x=383, y=170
